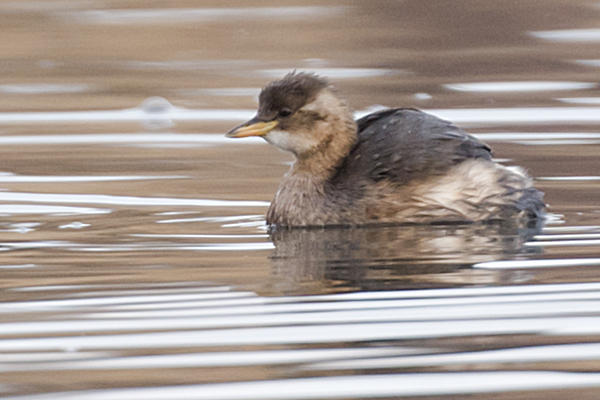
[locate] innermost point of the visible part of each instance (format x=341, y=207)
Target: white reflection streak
x=556, y=142
x=449, y=293
x=41, y=357
x=567, y=237
x=271, y=306
x=124, y=200
x=334, y=73
x=526, y=86
x=581, y=100
x=588, y=63
x=194, y=236
x=34, y=88
x=558, y=243
x=47, y=305
x=260, y=223
x=123, y=138
x=519, y=136
x=9, y=209
x=12, y=178
x=74, y=225
x=230, y=246
x=189, y=247
x=137, y=114
x=346, y=387
x=183, y=15
x=472, y=116
x=42, y=244
x=401, y=314
x=581, y=228
x=212, y=219
x=569, y=35
x=312, y=334
x=523, y=115
x=97, y=290
x=573, y=262
x=569, y=178
x=217, y=359
x=150, y=287
x=215, y=307
x=569, y=352
x=19, y=266
x=234, y=92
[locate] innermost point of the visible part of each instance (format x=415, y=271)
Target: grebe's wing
x=403, y=144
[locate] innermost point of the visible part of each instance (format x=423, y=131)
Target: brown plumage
x=393, y=166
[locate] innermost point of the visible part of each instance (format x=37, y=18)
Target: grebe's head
x=299, y=113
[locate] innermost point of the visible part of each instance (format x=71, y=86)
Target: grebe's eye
x=285, y=112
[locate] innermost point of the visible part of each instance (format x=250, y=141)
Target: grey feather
x=403, y=144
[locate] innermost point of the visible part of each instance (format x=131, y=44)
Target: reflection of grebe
x=393, y=166
x=396, y=257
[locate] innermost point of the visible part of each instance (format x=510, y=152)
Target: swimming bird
x=398, y=165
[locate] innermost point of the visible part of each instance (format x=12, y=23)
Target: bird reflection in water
x=373, y=258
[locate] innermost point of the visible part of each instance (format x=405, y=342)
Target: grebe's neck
x=304, y=193
x=335, y=134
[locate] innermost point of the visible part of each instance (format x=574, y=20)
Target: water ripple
x=535, y=354
x=525, y=86
x=466, y=116
x=10, y=209
x=187, y=15
x=124, y=200
x=348, y=387
x=14, y=178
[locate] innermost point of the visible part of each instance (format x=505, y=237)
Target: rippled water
x=135, y=262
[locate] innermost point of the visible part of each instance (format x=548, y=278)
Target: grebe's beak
x=254, y=127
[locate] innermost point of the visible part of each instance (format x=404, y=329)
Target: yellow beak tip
x=256, y=129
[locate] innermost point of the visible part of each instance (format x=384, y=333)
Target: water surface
x=135, y=260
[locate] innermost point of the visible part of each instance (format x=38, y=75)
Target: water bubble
x=157, y=112
x=422, y=96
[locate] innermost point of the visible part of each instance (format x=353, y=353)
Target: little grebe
x=393, y=166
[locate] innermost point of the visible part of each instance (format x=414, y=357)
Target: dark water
x=135, y=262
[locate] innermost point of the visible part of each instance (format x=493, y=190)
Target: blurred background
x=135, y=262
